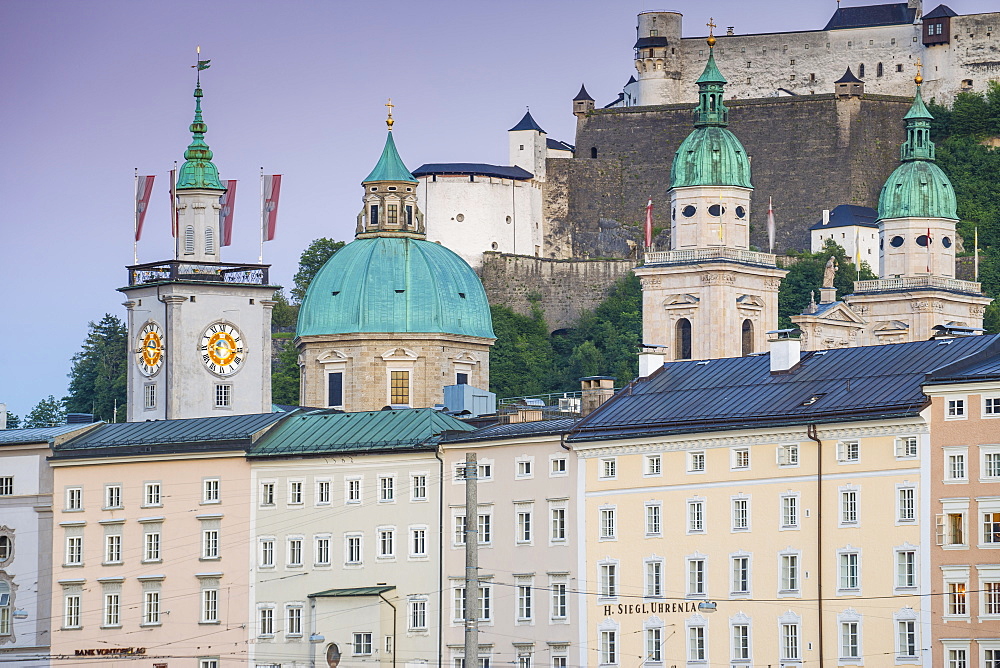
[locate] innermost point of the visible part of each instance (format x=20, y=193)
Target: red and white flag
x=173, y=203
x=269, y=205
x=227, y=202
x=928, y=250
x=770, y=226
x=143, y=189
x=649, y=223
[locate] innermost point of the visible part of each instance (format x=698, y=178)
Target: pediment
x=890, y=326
x=465, y=357
x=399, y=354
x=331, y=356
x=680, y=300
x=838, y=312
x=750, y=300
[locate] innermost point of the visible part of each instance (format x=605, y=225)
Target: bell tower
x=199, y=329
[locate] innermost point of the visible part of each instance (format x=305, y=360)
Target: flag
x=227, y=202
x=269, y=213
x=143, y=188
x=202, y=65
x=173, y=202
x=649, y=223
x=770, y=226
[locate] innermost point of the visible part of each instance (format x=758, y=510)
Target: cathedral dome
x=395, y=284
x=917, y=189
x=710, y=156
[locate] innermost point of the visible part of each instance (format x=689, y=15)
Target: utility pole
x=471, y=561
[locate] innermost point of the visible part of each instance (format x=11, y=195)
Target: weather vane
x=201, y=64
x=389, y=121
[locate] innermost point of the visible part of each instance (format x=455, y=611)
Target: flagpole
x=260, y=260
x=135, y=224
x=175, y=228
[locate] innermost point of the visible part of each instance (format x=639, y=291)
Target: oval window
x=896, y=242
x=741, y=212
x=460, y=217
x=494, y=245
x=689, y=211
x=374, y=189
x=946, y=242
x=923, y=240
x=508, y=220
x=716, y=210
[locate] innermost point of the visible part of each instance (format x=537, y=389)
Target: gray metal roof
x=187, y=435
x=526, y=123
x=871, y=15
x=940, y=12
x=826, y=386
x=353, y=591
x=984, y=365
x=473, y=169
x=516, y=430
x=38, y=434
x=845, y=215
x=558, y=145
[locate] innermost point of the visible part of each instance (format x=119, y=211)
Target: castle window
x=682, y=339
x=189, y=239
x=747, y=337
x=373, y=215
x=878, y=70
x=791, y=61
x=399, y=388
x=861, y=71
x=593, y=151
x=335, y=389
x=812, y=76
x=654, y=33
x=393, y=214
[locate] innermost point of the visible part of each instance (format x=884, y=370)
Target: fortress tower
x=658, y=59
x=709, y=296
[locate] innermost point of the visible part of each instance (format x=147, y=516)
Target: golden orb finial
x=711, y=33
x=389, y=121
x=919, y=79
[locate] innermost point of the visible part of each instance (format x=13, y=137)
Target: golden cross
x=711, y=25
x=389, y=120
x=919, y=79
x=918, y=65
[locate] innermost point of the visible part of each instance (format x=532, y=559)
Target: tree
x=805, y=276
x=48, y=412
x=521, y=360
x=99, y=377
x=13, y=422
x=310, y=262
x=283, y=315
x=285, y=376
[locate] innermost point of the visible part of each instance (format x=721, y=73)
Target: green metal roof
x=918, y=109
x=392, y=284
x=711, y=73
x=390, y=166
x=353, y=591
x=198, y=171
x=710, y=156
x=373, y=431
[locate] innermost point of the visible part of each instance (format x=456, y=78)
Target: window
x=696, y=516
x=112, y=610
x=74, y=498
x=113, y=549
x=266, y=622
x=850, y=571
x=354, y=491
x=906, y=509
x=386, y=489
x=746, y=329
x=849, y=506
x=608, y=580
x=956, y=599
x=741, y=458
x=789, y=573
x=789, y=642
x=151, y=607
x=609, y=467
x=848, y=451
x=386, y=543
x=485, y=470
x=991, y=406
x=418, y=615
x=991, y=598
x=322, y=492
x=418, y=488
x=6, y=548
x=393, y=214
x=322, y=551
x=789, y=512
x=991, y=528
x=460, y=530
x=353, y=550
x=696, y=643
x=906, y=447
x=189, y=240
x=223, y=395
x=788, y=455
x=955, y=466
x=524, y=609
x=293, y=620
x=267, y=494
x=696, y=577
x=906, y=569
x=951, y=529
x=850, y=642
x=682, y=339
x=294, y=552
x=524, y=468
x=559, y=606
x=524, y=526
x=991, y=464
x=609, y=647
x=906, y=638
x=741, y=514
x=654, y=644
x=485, y=533
x=399, y=388
x=418, y=542
x=151, y=545
x=335, y=389
x=485, y=603
x=558, y=466
x=209, y=605
x=210, y=544
x=741, y=642
x=210, y=491
x=74, y=550
x=653, y=523
x=608, y=524
x=558, y=524
x=362, y=644
x=955, y=409
x=653, y=465
x=149, y=395
x=740, y=574
x=267, y=553
x=654, y=578
x=71, y=611
x=696, y=462
x=461, y=379
x=295, y=492
x=113, y=496
x=958, y=658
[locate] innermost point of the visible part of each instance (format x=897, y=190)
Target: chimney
x=786, y=349
x=594, y=391
x=651, y=358
x=731, y=30
x=3, y=416
x=826, y=216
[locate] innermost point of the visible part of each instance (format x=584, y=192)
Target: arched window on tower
x=747, y=337
x=861, y=71
x=593, y=151
x=210, y=240
x=189, y=239
x=682, y=339
x=878, y=70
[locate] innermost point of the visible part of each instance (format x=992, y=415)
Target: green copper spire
x=918, y=144
x=198, y=170
x=711, y=85
x=390, y=166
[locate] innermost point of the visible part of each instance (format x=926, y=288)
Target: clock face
x=149, y=348
x=222, y=349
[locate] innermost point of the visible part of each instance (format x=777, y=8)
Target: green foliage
x=50, y=412
x=521, y=360
x=806, y=276
x=13, y=422
x=285, y=377
x=971, y=115
x=99, y=376
x=311, y=261
x=283, y=314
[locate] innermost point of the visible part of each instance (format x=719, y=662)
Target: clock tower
x=199, y=329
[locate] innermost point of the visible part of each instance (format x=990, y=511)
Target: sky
x=94, y=90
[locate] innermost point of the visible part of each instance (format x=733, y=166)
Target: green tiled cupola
x=198, y=171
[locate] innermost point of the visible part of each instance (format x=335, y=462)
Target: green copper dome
x=918, y=188
x=711, y=155
x=392, y=284
x=390, y=166
x=198, y=171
